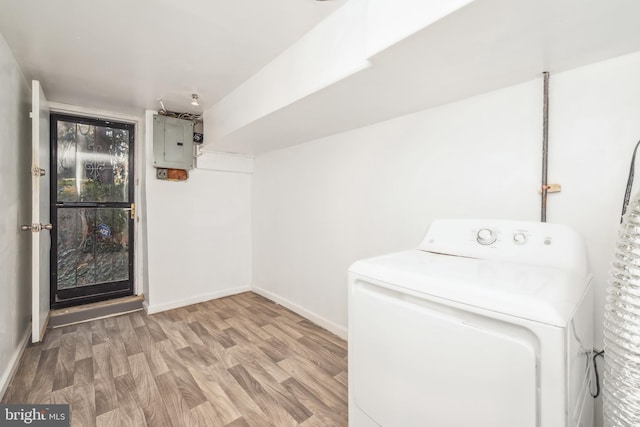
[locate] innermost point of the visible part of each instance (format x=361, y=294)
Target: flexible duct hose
x=621, y=391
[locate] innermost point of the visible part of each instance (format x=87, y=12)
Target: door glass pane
x=92, y=163
x=93, y=246
x=112, y=245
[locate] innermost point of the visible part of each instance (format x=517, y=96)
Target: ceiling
x=124, y=55
x=484, y=46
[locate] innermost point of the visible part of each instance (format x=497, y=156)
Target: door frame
x=141, y=168
x=136, y=270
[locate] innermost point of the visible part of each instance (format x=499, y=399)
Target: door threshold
x=97, y=310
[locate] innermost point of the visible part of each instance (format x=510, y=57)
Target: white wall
x=15, y=209
x=594, y=126
x=198, y=235
x=321, y=205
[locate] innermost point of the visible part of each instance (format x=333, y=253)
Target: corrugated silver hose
x=621, y=390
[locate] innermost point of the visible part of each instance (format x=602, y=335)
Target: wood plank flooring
x=235, y=361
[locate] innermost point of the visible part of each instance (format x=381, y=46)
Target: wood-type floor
x=235, y=361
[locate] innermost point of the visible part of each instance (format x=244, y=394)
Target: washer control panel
x=487, y=236
x=518, y=241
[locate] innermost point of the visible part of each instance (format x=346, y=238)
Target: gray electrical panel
x=172, y=143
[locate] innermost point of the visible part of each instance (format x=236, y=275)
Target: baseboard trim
x=157, y=308
x=339, y=330
x=8, y=373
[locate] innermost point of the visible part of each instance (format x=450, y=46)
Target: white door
x=415, y=363
x=41, y=239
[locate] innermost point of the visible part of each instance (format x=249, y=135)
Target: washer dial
x=519, y=238
x=486, y=236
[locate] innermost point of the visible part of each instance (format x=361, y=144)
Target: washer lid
x=542, y=294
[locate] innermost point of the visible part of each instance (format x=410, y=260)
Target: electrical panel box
x=172, y=143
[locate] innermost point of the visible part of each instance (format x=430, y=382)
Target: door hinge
x=36, y=171
x=36, y=228
x=133, y=211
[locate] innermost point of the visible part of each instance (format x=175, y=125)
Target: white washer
x=486, y=324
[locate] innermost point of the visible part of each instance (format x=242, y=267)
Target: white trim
x=58, y=107
x=138, y=171
x=13, y=364
x=223, y=162
x=339, y=330
x=106, y=316
x=157, y=308
x=225, y=153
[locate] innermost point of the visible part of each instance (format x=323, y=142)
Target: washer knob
x=519, y=238
x=486, y=236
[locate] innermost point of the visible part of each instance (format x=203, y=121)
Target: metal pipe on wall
x=545, y=147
